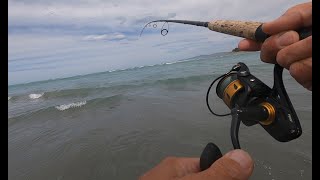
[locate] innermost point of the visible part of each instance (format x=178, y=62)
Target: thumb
x=236, y=164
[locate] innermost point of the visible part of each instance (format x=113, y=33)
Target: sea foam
x=35, y=96
x=71, y=105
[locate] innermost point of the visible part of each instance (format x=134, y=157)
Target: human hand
x=236, y=164
x=284, y=47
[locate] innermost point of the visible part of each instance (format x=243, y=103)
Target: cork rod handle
x=247, y=29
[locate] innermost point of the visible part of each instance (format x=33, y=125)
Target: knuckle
x=292, y=36
x=262, y=57
x=142, y=177
x=170, y=159
x=299, y=17
x=295, y=69
x=308, y=43
x=264, y=51
x=302, y=72
x=268, y=50
x=282, y=58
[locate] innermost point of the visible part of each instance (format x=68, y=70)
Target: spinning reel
x=253, y=102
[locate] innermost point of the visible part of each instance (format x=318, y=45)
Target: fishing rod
x=249, y=99
x=245, y=29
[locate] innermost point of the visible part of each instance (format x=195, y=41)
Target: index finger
x=249, y=45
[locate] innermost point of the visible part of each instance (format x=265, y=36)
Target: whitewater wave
x=146, y=66
x=35, y=96
x=71, y=105
x=88, y=92
x=168, y=63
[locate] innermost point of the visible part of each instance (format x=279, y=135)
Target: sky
x=62, y=38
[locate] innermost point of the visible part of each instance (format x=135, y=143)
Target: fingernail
x=285, y=39
x=241, y=157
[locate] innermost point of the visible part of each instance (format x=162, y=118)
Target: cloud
x=48, y=39
x=131, y=15
x=148, y=18
x=116, y=36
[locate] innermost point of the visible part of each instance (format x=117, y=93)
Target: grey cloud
x=121, y=19
x=108, y=37
x=90, y=27
x=134, y=13
x=148, y=18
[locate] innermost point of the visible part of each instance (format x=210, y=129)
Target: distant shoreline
x=235, y=50
x=62, y=78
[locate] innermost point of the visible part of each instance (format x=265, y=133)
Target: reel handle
x=209, y=155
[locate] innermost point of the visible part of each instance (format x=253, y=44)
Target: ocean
x=119, y=124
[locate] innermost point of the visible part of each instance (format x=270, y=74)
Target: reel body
x=253, y=102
